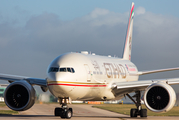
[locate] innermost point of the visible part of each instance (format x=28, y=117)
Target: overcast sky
x=33, y=33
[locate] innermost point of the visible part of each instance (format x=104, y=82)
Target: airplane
x=90, y=77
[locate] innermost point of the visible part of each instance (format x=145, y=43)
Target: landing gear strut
x=139, y=110
x=64, y=111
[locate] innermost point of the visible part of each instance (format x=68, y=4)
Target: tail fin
x=128, y=43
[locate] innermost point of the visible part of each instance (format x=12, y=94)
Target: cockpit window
x=56, y=69
x=63, y=70
x=53, y=69
x=68, y=69
x=73, y=71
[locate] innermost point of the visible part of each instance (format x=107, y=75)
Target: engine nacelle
x=19, y=96
x=159, y=97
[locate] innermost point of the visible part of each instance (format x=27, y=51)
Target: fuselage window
x=53, y=69
x=63, y=70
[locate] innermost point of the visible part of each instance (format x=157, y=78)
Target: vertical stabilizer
x=128, y=43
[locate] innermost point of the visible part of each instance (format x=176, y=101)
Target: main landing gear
x=64, y=111
x=139, y=110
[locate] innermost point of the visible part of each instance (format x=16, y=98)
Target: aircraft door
x=88, y=72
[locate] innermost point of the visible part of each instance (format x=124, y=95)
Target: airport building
x=2, y=89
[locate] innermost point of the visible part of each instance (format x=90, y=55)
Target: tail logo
x=128, y=43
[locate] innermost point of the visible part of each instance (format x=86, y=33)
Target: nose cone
x=66, y=61
x=57, y=79
x=55, y=83
x=53, y=68
x=65, y=72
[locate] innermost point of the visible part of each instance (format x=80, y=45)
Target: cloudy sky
x=33, y=33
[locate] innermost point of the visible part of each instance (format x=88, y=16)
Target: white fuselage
x=92, y=77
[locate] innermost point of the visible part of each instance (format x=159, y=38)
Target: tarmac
x=81, y=112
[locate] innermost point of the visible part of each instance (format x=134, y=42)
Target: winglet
x=128, y=43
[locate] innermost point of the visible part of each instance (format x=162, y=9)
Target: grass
x=7, y=112
x=125, y=109
x=2, y=104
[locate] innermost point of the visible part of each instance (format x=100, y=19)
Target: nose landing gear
x=64, y=111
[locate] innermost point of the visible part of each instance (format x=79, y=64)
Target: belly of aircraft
x=81, y=91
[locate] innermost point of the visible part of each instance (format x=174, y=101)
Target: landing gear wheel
x=63, y=114
x=68, y=114
x=58, y=111
x=71, y=111
x=143, y=113
x=64, y=111
x=139, y=110
x=133, y=113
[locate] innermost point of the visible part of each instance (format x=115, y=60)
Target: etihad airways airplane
x=90, y=77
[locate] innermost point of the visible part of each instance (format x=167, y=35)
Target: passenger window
x=68, y=69
x=63, y=70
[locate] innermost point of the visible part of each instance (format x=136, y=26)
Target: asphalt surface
x=81, y=112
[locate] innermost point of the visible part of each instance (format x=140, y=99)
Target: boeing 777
x=90, y=77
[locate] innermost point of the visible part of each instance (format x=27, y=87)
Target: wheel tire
x=71, y=111
x=143, y=113
x=63, y=114
x=133, y=113
x=68, y=114
x=58, y=111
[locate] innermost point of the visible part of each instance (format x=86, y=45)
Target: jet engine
x=19, y=96
x=159, y=97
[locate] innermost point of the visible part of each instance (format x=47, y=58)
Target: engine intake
x=159, y=97
x=19, y=96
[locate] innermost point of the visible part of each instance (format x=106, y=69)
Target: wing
x=128, y=87
x=119, y=88
x=32, y=81
x=156, y=71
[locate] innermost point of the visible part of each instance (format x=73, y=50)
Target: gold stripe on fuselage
x=50, y=82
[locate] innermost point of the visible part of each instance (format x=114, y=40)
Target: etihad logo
x=115, y=70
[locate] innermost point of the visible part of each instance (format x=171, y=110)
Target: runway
x=81, y=112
